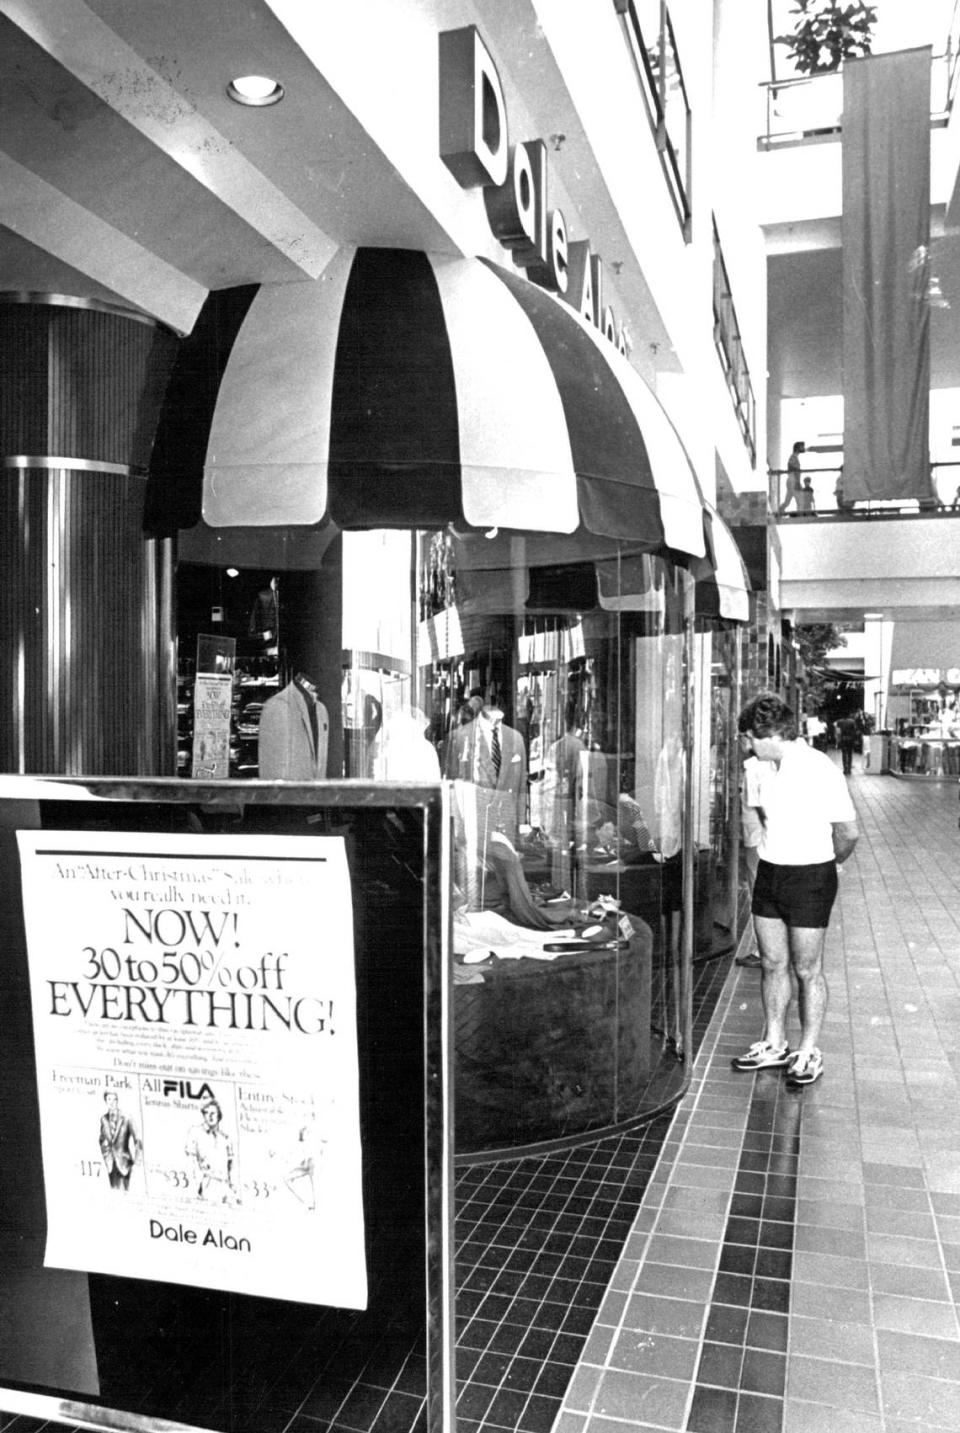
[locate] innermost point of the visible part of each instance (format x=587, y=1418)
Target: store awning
x=723, y=587
x=410, y=390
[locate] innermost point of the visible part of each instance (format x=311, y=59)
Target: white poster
x=212, y=705
x=194, y=1007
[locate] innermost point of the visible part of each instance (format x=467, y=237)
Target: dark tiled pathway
x=795, y=1264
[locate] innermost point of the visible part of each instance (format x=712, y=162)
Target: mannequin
x=498, y=801
x=293, y=734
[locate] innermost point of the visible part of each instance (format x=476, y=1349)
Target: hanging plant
x=826, y=34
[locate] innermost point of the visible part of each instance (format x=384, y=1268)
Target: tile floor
x=795, y=1263
x=768, y=1260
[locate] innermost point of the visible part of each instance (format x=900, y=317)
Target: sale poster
x=212, y=706
x=194, y=1009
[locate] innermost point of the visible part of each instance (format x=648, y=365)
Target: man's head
x=800, y=447
x=212, y=1113
x=110, y=1100
x=767, y=722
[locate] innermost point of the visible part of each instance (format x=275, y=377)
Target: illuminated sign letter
x=473, y=115
x=517, y=210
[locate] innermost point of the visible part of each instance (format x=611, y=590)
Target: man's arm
x=845, y=836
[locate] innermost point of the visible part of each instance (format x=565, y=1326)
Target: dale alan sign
x=475, y=147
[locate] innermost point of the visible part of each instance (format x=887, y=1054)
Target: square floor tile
x=619, y=1395
x=713, y=1410
x=720, y=1365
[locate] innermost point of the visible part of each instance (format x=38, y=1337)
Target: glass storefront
x=584, y=718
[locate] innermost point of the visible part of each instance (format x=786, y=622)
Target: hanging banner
x=194, y=1010
x=886, y=276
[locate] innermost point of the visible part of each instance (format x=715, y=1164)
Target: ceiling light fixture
x=255, y=90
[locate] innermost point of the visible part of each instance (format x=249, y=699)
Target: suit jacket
x=119, y=1146
x=468, y=758
x=285, y=750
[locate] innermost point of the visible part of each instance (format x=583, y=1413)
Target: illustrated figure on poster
x=301, y=1170
x=211, y=1150
x=119, y=1143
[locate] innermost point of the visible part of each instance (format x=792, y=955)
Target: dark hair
x=767, y=715
x=212, y=1104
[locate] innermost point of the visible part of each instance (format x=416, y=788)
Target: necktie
x=495, y=751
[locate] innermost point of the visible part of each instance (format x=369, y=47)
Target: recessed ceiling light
x=255, y=90
x=233, y=572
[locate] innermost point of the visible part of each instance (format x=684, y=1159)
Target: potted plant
x=827, y=33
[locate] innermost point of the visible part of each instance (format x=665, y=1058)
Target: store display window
x=554, y=695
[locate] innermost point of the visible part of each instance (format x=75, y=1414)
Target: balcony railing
x=808, y=109
x=827, y=503
x=648, y=31
x=726, y=336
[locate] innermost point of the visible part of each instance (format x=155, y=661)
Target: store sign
x=475, y=147
x=925, y=676
x=194, y=1025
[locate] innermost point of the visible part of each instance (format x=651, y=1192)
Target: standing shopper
x=809, y=827
x=847, y=740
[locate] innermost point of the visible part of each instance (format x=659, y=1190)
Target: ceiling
x=127, y=174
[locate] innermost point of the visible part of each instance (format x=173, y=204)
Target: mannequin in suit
x=471, y=758
x=293, y=734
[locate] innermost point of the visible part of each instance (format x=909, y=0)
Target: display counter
x=552, y=1046
x=925, y=756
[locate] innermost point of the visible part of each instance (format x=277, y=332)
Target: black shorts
x=797, y=895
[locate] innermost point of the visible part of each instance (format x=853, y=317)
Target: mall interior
x=424, y=426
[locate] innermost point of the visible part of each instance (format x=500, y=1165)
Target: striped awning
x=722, y=584
x=403, y=389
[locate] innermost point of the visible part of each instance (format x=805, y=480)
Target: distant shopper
x=809, y=827
x=846, y=727
x=793, y=475
x=806, y=502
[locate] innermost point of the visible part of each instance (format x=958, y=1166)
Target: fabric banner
x=886, y=248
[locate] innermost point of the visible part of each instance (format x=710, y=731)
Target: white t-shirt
x=799, y=802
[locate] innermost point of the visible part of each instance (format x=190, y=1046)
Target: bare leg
x=775, y=985
x=806, y=956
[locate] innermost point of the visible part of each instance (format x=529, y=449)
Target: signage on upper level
x=925, y=676
x=475, y=146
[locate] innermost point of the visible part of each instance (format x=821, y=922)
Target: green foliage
x=827, y=33
x=814, y=641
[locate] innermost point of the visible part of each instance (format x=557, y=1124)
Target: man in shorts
x=809, y=828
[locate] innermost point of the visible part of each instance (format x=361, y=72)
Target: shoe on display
x=762, y=1056
x=751, y=960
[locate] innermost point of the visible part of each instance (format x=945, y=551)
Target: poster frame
x=22, y=800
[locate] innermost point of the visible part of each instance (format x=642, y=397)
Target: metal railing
x=726, y=337
x=826, y=502
x=653, y=48
x=808, y=109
